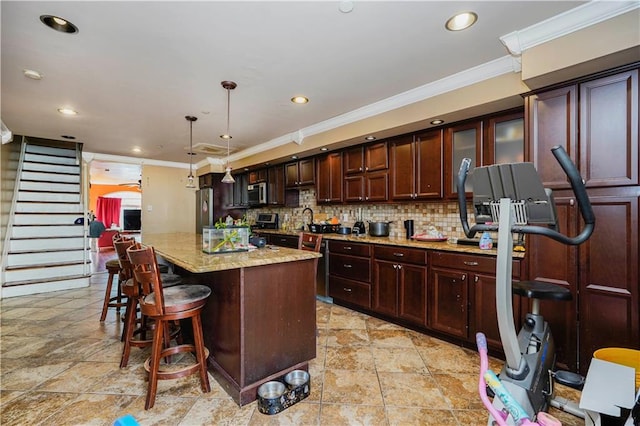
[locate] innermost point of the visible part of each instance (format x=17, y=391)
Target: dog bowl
x=296, y=378
x=271, y=390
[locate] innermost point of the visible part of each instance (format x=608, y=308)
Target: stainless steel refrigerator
x=204, y=209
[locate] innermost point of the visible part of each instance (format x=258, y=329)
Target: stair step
x=40, y=273
x=47, y=159
x=41, y=231
x=44, y=218
x=51, y=168
x=49, y=177
x=50, y=150
x=39, y=243
x=35, y=207
x=26, y=185
x=47, y=196
x=45, y=258
x=23, y=288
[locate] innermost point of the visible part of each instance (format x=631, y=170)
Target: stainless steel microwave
x=257, y=194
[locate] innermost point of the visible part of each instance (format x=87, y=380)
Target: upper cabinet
x=257, y=176
x=416, y=166
x=366, y=170
x=275, y=185
x=504, y=139
x=240, y=194
x=329, y=178
x=462, y=141
x=300, y=173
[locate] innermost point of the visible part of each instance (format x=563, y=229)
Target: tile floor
x=60, y=366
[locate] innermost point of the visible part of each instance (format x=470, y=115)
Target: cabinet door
x=412, y=293
x=552, y=121
x=609, y=281
x=505, y=139
x=257, y=176
x=463, y=141
x=275, y=186
x=448, y=302
x=354, y=188
x=377, y=186
x=329, y=178
x=291, y=175
x=353, y=160
x=385, y=287
x=403, y=170
x=609, y=130
x=555, y=263
x=284, y=240
x=376, y=157
x=428, y=172
x=306, y=172
x=240, y=194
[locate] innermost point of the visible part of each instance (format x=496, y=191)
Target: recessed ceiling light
x=32, y=74
x=324, y=148
x=294, y=157
x=436, y=122
x=345, y=6
x=58, y=24
x=299, y=100
x=461, y=21
x=67, y=111
x=136, y=150
x=68, y=137
x=370, y=138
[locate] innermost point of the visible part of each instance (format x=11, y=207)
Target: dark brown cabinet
x=205, y=181
x=329, y=178
x=350, y=273
x=283, y=240
x=366, y=173
x=596, y=121
x=416, y=166
x=275, y=186
x=240, y=194
x=400, y=283
x=257, y=176
x=300, y=173
x=461, y=141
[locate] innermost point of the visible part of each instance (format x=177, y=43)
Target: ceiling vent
x=209, y=149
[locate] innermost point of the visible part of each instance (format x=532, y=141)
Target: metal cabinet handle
x=348, y=290
x=346, y=265
x=476, y=279
x=572, y=202
x=396, y=254
x=464, y=277
x=399, y=266
x=346, y=248
x=468, y=263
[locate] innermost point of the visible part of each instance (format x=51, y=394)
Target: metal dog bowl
x=271, y=390
x=296, y=378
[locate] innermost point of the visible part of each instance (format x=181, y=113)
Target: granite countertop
x=185, y=250
x=398, y=241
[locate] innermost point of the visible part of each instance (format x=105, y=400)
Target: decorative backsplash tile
x=443, y=215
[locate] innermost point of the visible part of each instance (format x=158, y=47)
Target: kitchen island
x=260, y=320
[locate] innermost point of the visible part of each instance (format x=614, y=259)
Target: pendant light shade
x=228, y=86
x=191, y=179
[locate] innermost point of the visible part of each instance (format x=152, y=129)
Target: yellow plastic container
x=623, y=356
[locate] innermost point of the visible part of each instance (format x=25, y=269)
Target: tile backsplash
x=443, y=215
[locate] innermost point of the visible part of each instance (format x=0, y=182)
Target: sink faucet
x=310, y=211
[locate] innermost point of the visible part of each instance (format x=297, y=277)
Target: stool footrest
x=184, y=371
x=541, y=290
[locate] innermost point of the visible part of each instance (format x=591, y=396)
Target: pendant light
x=228, y=86
x=190, y=179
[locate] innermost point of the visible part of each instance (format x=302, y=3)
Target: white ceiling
x=135, y=69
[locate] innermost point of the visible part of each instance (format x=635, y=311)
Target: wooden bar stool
x=164, y=306
x=113, y=267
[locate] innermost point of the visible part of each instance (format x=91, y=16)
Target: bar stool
x=164, y=305
x=113, y=267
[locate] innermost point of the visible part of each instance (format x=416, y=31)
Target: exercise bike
x=510, y=199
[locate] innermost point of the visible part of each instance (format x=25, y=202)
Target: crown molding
x=90, y=156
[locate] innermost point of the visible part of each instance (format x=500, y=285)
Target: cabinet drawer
x=469, y=262
x=350, y=291
x=284, y=240
x=354, y=249
x=400, y=254
x=357, y=268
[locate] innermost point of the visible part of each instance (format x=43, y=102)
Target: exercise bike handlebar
x=577, y=185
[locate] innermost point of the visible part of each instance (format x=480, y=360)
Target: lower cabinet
x=400, y=283
x=350, y=273
x=283, y=240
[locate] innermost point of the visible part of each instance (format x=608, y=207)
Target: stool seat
x=541, y=290
x=181, y=297
x=169, y=280
x=112, y=263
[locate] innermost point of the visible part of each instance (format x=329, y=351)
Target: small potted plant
x=226, y=236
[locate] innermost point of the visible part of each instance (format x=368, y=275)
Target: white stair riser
x=34, y=259
x=44, y=219
x=50, y=187
x=45, y=287
x=50, y=150
x=42, y=273
x=52, y=168
x=49, y=208
x=50, y=160
x=50, y=177
x=47, y=231
x=46, y=244
x=45, y=196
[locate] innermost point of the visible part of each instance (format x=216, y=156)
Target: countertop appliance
x=257, y=194
x=267, y=221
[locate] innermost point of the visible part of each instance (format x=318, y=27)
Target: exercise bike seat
x=540, y=290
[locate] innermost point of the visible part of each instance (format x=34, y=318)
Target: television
x=131, y=219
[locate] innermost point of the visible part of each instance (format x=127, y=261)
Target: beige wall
x=172, y=204
x=9, y=159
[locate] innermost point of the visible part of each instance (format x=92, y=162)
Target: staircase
x=45, y=250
